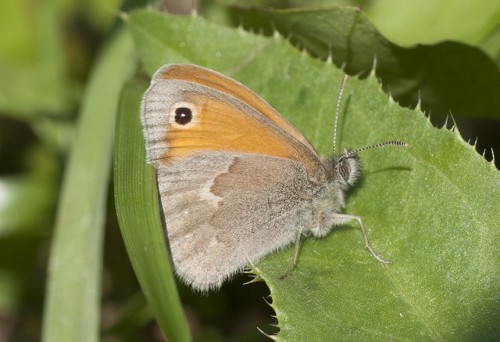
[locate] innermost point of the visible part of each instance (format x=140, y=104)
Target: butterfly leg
x=294, y=257
x=345, y=218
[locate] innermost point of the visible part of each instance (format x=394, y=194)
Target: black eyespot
x=183, y=115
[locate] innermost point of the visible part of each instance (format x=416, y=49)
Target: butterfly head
x=345, y=169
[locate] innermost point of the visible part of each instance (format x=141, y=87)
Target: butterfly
x=236, y=180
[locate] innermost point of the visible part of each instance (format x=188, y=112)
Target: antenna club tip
x=397, y=143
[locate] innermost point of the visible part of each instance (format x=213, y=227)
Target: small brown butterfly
x=236, y=180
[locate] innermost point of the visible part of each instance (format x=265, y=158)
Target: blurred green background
x=47, y=50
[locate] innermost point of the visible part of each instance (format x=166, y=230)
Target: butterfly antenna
x=386, y=143
x=337, y=111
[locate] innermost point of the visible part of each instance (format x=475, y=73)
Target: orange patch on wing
x=196, y=74
x=223, y=127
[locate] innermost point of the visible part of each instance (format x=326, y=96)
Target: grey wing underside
x=223, y=210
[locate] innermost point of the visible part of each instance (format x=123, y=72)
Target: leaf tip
x=391, y=98
x=272, y=337
x=373, y=72
x=329, y=60
x=454, y=127
x=418, y=106
x=254, y=272
x=474, y=143
x=429, y=118
x=276, y=34
x=493, y=161
x=267, y=302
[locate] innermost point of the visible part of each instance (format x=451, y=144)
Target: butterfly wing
x=218, y=120
x=226, y=85
x=235, y=177
x=223, y=210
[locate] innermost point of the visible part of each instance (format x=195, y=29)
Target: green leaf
x=431, y=208
x=430, y=21
x=73, y=291
x=32, y=61
x=408, y=22
x=139, y=217
x=444, y=77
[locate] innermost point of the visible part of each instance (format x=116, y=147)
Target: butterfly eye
x=183, y=115
x=344, y=170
